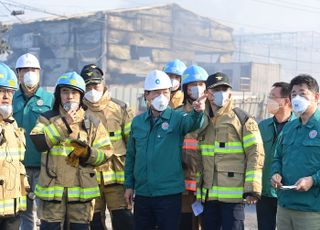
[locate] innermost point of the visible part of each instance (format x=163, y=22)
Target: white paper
x=288, y=187
x=197, y=208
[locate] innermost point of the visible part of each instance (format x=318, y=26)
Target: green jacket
x=269, y=136
x=298, y=155
x=154, y=153
x=26, y=113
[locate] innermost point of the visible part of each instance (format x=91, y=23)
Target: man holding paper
x=296, y=167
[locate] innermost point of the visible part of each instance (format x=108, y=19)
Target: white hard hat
x=27, y=60
x=157, y=79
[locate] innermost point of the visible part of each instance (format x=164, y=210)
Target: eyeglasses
x=6, y=91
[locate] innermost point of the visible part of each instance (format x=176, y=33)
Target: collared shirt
x=154, y=154
x=298, y=156
x=26, y=113
x=270, y=129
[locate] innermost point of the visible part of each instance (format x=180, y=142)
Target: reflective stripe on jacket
x=191, y=156
x=12, y=172
x=232, y=157
x=116, y=118
x=52, y=135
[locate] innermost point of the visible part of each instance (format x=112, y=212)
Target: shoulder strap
x=49, y=114
x=124, y=108
x=243, y=116
x=122, y=104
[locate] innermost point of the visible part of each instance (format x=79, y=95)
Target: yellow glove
x=72, y=161
x=80, y=149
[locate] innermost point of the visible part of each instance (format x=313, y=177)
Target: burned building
x=125, y=43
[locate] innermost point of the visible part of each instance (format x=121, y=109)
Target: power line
x=312, y=7
x=24, y=6
x=247, y=53
x=4, y=5
x=219, y=48
x=263, y=28
x=278, y=3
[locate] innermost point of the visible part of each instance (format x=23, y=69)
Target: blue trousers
x=57, y=226
x=222, y=216
x=162, y=211
x=267, y=213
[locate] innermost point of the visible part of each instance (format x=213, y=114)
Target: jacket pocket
x=222, y=134
x=230, y=176
x=288, y=141
x=267, y=137
x=87, y=177
x=140, y=140
x=315, y=142
x=164, y=133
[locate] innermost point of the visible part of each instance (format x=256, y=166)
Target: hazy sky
x=259, y=16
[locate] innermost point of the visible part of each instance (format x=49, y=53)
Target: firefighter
x=116, y=118
x=174, y=69
x=153, y=162
x=193, y=86
x=72, y=145
x=28, y=103
x=232, y=159
x=13, y=180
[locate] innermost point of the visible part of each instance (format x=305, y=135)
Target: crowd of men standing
x=191, y=161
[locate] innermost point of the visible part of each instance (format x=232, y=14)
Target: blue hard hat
x=174, y=67
x=71, y=80
x=194, y=73
x=8, y=78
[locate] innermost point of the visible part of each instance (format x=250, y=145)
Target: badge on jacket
x=165, y=125
x=40, y=102
x=252, y=126
x=313, y=134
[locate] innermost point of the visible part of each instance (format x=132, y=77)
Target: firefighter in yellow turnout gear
x=174, y=69
x=116, y=118
x=232, y=159
x=13, y=180
x=193, y=86
x=72, y=145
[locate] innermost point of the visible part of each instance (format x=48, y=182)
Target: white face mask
x=31, y=79
x=93, y=95
x=196, y=92
x=272, y=106
x=299, y=105
x=160, y=103
x=175, y=84
x=220, y=98
x=70, y=105
x=5, y=111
